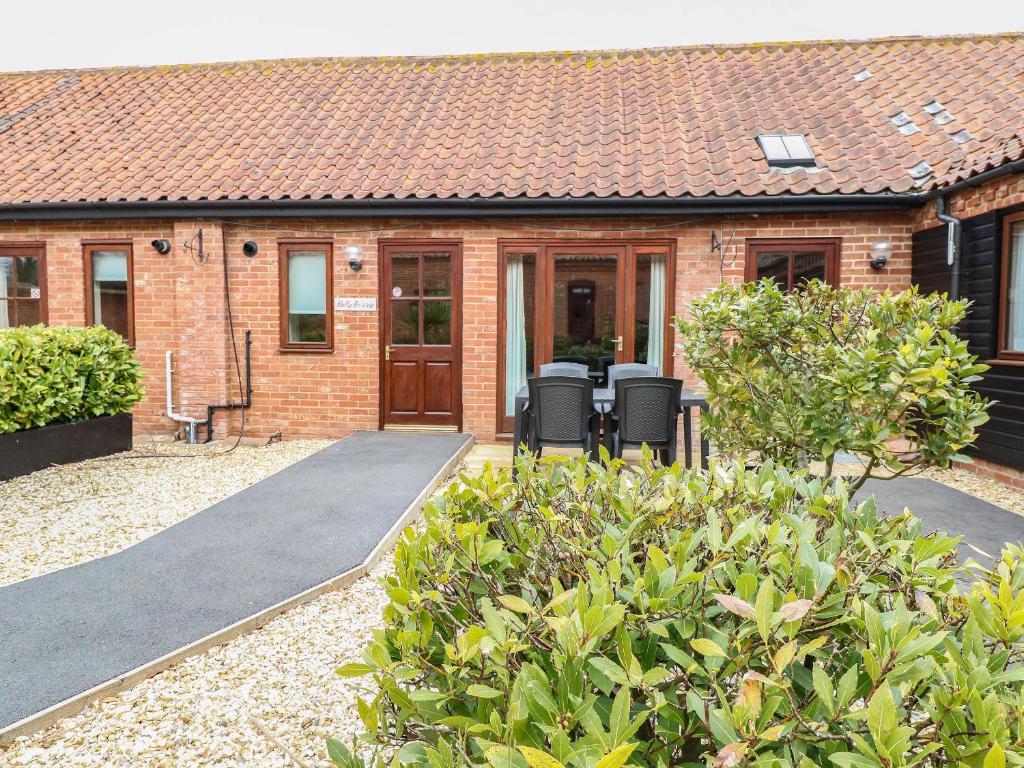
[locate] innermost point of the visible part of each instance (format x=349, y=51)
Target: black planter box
x=34, y=449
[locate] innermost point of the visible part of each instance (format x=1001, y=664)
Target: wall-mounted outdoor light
x=249, y=248
x=161, y=246
x=354, y=254
x=881, y=252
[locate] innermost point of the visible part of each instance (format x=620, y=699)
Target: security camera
x=163, y=247
x=249, y=248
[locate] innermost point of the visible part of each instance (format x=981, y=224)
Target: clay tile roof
x=657, y=122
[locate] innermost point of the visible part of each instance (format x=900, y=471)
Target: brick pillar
x=201, y=341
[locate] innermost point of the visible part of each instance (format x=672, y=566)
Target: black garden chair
x=562, y=415
x=578, y=359
x=576, y=370
x=629, y=371
x=646, y=411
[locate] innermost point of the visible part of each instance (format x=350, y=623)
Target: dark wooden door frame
x=385, y=247
x=543, y=249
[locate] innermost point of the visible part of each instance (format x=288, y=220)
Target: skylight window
x=786, y=150
x=961, y=137
x=863, y=75
x=933, y=108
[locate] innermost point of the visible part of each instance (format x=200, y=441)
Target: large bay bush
x=801, y=376
x=595, y=617
x=55, y=375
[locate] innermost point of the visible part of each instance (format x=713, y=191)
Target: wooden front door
x=421, y=333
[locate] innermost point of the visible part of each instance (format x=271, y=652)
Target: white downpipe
x=188, y=421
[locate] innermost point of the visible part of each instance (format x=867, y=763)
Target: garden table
x=604, y=403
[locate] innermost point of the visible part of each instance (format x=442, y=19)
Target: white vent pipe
x=188, y=421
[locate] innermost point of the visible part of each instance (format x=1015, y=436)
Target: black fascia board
x=459, y=207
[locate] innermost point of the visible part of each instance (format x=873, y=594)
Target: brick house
x=406, y=239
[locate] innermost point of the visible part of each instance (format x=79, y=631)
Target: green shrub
x=800, y=376
x=55, y=375
x=593, y=617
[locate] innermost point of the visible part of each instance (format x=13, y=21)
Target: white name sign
x=354, y=304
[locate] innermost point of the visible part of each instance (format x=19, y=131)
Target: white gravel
x=216, y=709
x=66, y=515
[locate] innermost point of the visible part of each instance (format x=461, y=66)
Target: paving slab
x=68, y=631
x=940, y=507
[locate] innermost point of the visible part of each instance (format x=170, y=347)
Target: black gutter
x=461, y=207
x=1017, y=166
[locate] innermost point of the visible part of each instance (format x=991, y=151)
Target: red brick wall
x=179, y=304
x=1000, y=193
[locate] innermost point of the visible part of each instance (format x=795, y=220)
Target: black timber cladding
x=1001, y=440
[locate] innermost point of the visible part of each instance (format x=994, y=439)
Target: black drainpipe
x=955, y=244
x=247, y=400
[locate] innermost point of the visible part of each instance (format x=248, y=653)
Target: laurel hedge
x=593, y=617
x=59, y=375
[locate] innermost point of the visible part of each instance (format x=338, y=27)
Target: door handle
x=618, y=344
x=387, y=352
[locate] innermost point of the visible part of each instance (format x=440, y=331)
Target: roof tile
x=676, y=122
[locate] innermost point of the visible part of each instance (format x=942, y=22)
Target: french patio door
x=592, y=302
x=421, y=334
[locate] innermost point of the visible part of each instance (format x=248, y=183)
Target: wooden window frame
x=38, y=251
x=831, y=245
x=543, y=293
x=90, y=247
x=284, y=247
x=1013, y=356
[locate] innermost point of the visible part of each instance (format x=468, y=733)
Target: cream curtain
x=5, y=264
x=656, y=315
x=1015, y=291
x=515, y=331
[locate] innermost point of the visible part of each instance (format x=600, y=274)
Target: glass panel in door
x=584, y=320
x=650, y=317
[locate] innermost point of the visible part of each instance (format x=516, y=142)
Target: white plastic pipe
x=187, y=420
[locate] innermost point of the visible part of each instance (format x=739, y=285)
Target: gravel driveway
x=66, y=515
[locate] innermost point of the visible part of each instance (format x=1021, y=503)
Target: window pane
x=649, y=331
x=808, y=266
x=110, y=290
x=584, y=308
x=437, y=322
x=307, y=296
x=774, y=266
x=6, y=313
x=7, y=286
x=307, y=328
x=1015, y=290
x=437, y=274
x=405, y=275
x=405, y=322
x=27, y=273
x=520, y=290
x=28, y=312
